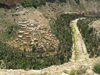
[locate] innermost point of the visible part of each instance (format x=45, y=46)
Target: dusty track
x=80, y=46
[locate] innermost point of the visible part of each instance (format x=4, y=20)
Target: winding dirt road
x=80, y=46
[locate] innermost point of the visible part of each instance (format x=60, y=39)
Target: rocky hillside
x=38, y=29
x=71, y=6
x=80, y=6
x=82, y=66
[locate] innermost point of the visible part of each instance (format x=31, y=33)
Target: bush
x=62, y=0
x=77, y=1
x=81, y=71
x=34, y=4
x=78, y=72
x=96, y=68
x=23, y=3
x=31, y=3
x=43, y=2
x=72, y=72
x=33, y=48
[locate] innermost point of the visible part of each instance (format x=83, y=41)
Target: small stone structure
x=25, y=34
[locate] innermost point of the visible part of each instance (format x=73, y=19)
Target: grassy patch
x=72, y=72
x=77, y=72
x=15, y=14
x=8, y=29
x=96, y=68
x=81, y=71
x=74, y=41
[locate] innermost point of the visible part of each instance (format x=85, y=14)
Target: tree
x=77, y=1
x=33, y=48
x=34, y=4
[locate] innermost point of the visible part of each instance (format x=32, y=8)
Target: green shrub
x=62, y=0
x=43, y=2
x=23, y=3
x=31, y=3
x=80, y=71
x=15, y=14
x=96, y=68
x=72, y=72
x=33, y=48
x=35, y=4
x=77, y=1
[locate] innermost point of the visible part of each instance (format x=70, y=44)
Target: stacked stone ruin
x=24, y=35
x=35, y=34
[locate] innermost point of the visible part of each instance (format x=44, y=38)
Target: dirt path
x=80, y=46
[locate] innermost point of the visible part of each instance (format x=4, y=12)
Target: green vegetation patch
x=74, y=40
x=8, y=29
x=26, y=60
x=96, y=68
x=78, y=72
x=62, y=1
x=31, y=3
x=72, y=72
x=36, y=3
x=77, y=1
x=62, y=30
x=91, y=40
